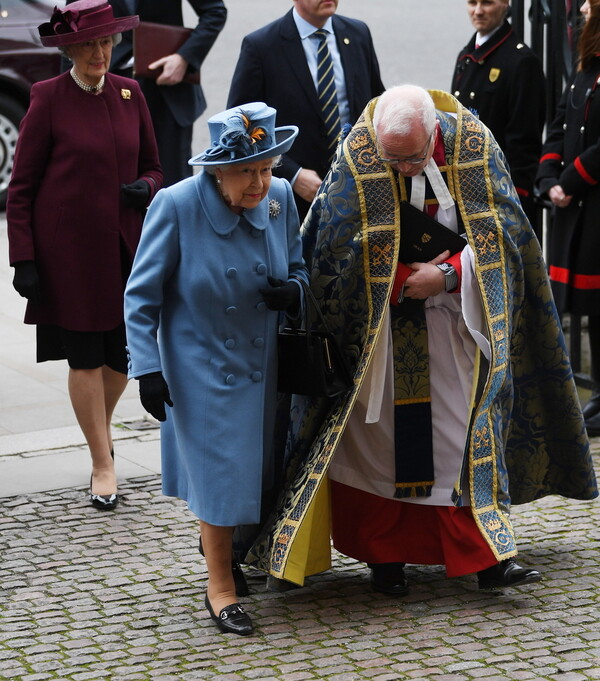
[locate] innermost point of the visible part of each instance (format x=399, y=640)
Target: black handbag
x=311, y=362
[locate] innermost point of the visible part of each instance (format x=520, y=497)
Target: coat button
x=564, y=126
x=582, y=128
x=457, y=93
x=261, y=268
x=471, y=95
x=256, y=376
x=231, y=272
x=232, y=309
x=258, y=342
x=261, y=306
x=230, y=343
x=230, y=379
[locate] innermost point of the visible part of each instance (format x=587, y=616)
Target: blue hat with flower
x=245, y=133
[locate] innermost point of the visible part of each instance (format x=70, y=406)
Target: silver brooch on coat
x=274, y=208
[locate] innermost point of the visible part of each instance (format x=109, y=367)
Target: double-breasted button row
x=255, y=377
x=232, y=309
x=258, y=342
x=259, y=268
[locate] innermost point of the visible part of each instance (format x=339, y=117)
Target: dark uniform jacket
x=185, y=100
x=503, y=83
x=571, y=159
x=272, y=68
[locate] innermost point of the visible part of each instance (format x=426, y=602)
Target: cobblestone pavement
x=88, y=595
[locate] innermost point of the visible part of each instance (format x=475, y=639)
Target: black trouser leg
x=592, y=408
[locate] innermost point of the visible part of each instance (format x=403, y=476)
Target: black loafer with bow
x=505, y=574
x=233, y=619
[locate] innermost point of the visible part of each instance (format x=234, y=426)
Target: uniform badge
x=125, y=94
x=494, y=75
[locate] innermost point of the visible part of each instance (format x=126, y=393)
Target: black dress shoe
x=241, y=585
x=232, y=619
x=389, y=578
x=592, y=406
x=592, y=425
x=104, y=502
x=506, y=573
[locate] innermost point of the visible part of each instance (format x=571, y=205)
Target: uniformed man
x=502, y=81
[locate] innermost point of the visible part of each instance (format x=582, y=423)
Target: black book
x=422, y=238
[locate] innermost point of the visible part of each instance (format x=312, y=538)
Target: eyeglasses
x=413, y=160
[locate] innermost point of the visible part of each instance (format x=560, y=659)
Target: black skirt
x=83, y=349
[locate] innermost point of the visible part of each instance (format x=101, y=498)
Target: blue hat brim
x=284, y=138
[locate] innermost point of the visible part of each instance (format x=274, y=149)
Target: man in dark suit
x=278, y=65
x=502, y=81
x=174, y=105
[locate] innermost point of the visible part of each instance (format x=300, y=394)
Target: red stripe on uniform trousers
x=579, y=281
x=583, y=172
x=559, y=274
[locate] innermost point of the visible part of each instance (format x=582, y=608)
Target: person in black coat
x=273, y=68
x=502, y=81
x=569, y=175
x=174, y=105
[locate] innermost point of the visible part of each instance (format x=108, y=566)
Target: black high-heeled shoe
x=103, y=502
x=241, y=585
x=233, y=619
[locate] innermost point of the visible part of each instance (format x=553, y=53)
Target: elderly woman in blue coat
x=217, y=261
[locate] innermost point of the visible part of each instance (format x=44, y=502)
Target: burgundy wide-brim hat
x=83, y=20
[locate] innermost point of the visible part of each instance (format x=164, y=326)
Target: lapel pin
x=125, y=94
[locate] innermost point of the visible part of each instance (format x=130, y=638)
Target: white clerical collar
x=305, y=29
x=418, y=185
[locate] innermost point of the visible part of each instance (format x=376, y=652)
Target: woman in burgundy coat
x=85, y=168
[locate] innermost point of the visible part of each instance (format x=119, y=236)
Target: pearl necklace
x=84, y=86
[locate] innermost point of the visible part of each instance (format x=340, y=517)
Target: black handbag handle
x=309, y=297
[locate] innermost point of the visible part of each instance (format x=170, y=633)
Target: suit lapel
x=344, y=45
x=294, y=53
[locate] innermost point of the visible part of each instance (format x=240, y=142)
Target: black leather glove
x=154, y=392
x=136, y=194
x=27, y=281
x=281, y=295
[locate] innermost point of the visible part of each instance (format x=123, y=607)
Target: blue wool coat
x=193, y=311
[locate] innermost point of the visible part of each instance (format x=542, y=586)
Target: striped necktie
x=326, y=91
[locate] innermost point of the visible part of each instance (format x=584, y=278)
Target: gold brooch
x=125, y=94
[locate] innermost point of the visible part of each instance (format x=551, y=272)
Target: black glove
x=154, y=392
x=136, y=194
x=280, y=295
x=27, y=281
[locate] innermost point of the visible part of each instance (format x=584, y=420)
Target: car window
x=20, y=10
